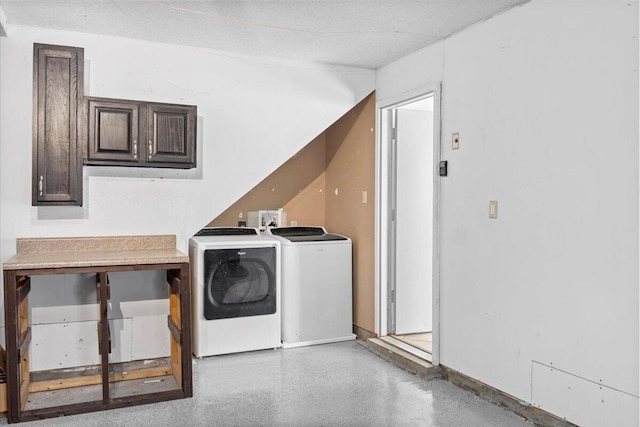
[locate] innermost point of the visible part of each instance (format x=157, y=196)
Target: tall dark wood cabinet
x=142, y=134
x=57, y=100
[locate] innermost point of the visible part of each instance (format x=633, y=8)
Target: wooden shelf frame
x=17, y=286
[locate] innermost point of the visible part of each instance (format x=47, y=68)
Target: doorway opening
x=408, y=256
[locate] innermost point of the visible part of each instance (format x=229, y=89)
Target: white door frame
x=382, y=208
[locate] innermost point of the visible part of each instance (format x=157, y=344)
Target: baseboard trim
x=537, y=416
x=402, y=359
x=363, y=334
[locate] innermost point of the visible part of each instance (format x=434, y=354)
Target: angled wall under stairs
x=323, y=184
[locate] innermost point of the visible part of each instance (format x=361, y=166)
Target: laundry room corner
x=329, y=183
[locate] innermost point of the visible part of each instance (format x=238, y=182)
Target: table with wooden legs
x=119, y=256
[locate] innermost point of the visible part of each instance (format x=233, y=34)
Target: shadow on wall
x=302, y=176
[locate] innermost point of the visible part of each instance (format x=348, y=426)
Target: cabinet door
x=57, y=95
x=113, y=131
x=171, y=135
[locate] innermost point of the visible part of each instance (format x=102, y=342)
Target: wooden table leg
x=180, y=327
x=11, y=338
x=185, y=307
x=103, y=332
x=24, y=341
x=175, y=322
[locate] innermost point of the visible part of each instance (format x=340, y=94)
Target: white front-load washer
x=316, y=286
x=235, y=290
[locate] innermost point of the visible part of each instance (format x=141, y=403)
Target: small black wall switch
x=443, y=168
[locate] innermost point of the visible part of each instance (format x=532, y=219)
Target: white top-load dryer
x=316, y=286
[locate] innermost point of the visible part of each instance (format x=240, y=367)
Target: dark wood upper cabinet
x=113, y=130
x=171, y=134
x=57, y=99
x=136, y=133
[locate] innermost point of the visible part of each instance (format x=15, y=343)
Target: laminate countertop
x=68, y=252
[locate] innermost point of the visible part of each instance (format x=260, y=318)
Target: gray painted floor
x=339, y=384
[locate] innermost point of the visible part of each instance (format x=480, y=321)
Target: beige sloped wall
x=308, y=206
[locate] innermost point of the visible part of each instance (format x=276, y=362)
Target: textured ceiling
x=364, y=33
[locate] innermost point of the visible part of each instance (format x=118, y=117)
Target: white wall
x=253, y=114
x=541, y=303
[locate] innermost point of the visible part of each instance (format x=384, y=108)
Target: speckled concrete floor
x=339, y=384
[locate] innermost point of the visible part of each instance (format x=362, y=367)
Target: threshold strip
x=406, y=347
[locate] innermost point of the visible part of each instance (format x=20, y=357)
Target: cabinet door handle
x=150, y=148
x=40, y=184
x=135, y=148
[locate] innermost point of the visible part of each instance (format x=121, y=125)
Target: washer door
x=239, y=282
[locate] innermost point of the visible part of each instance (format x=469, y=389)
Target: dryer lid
x=227, y=231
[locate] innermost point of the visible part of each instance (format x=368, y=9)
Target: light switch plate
x=493, y=209
x=455, y=141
